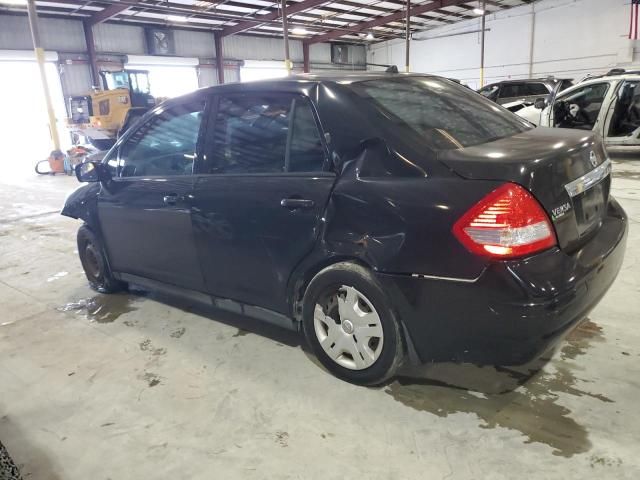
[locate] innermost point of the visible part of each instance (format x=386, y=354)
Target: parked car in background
x=525, y=90
x=608, y=105
x=382, y=215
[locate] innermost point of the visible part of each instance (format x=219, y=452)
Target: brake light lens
x=507, y=223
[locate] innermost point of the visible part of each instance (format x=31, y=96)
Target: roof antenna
x=392, y=69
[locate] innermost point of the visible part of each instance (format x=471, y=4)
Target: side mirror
x=92, y=172
x=540, y=103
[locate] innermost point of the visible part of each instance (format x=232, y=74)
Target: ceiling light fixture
x=177, y=18
x=369, y=36
x=478, y=11
x=299, y=31
x=13, y=2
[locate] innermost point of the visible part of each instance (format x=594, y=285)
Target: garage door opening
x=168, y=77
x=261, y=70
x=23, y=118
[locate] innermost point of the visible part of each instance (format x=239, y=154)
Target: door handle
x=170, y=199
x=296, y=203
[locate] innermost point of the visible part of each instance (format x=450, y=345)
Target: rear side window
x=163, y=145
x=444, y=114
x=306, y=153
x=509, y=90
x=531, y=89
x=264, y=133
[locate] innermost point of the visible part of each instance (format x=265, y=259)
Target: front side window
x=264, y=133
x=580, y=108
x=444, y=114
x=163, y=145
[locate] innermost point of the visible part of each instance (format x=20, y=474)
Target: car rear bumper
x=516, y=310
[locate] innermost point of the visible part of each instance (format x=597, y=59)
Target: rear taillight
x=507, y=223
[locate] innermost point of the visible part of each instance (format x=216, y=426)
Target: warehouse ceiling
x=351, y=21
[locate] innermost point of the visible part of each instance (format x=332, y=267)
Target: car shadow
x=527, y=399
x=243, y=323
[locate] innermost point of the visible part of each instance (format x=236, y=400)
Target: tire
x=350, y=290
x=95, y=264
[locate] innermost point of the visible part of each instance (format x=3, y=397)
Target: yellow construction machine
x=102, y=115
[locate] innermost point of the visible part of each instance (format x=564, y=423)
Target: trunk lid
x=566, y=170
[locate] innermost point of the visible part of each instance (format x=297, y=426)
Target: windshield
x=140, y=82
x=447, y=115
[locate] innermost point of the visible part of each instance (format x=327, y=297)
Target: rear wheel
x=350, y=325
x=94, y=263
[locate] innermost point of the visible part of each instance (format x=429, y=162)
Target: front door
x=579, y=108
x=145, y=214
x=260, y=195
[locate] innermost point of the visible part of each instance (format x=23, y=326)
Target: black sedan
x=385, y=216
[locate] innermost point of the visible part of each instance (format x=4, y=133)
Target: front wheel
x=94, y=263
x=350, y=325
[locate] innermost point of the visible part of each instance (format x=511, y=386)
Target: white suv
x=609, y=105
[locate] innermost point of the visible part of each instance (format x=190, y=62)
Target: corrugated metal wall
x=320, y=53
x=194, y=44
x=75, y=78
x=255, y=48
x=62, y=35
x=68, y=36
x=57, y=34
x=207, y=76
x=109, y=37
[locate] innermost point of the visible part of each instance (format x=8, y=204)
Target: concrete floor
x=139, y=386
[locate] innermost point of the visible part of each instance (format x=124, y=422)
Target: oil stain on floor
x=530, y=405
x=103, y=308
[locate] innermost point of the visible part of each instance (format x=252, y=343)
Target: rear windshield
x=446, y=114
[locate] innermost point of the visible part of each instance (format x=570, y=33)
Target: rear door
x=145, y=214
x=260, y=195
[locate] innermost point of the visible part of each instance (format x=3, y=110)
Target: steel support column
x=305, y=56
x=532, y=39
x=91, y=52
x=39, y=51
x=285, y=35
x=408, y=37
x=219, y=57
x=484, y=23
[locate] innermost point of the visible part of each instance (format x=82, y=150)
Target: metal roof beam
x=399, y=14
x=109, y=12
x=292, y=9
